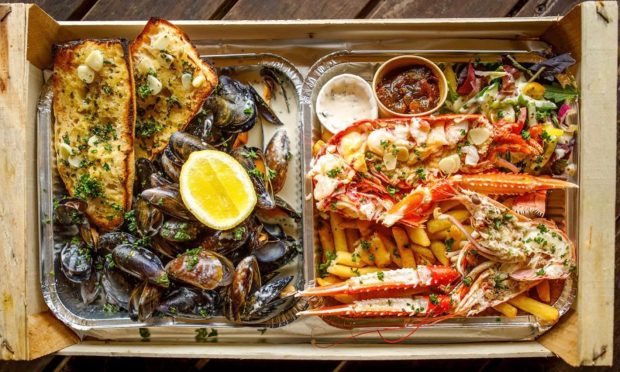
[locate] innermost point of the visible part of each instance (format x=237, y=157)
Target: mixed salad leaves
x=537, y=101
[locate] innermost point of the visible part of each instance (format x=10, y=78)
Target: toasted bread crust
x=94, y=128
x=162, y=113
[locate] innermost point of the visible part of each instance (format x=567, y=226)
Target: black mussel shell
x=144, y=169
x=171, y=164
x=117, y=287
x=109, y=241
x=143, y=301
x=277, y=156
x=183, y=144
x=179, y=230
x=189, y=303
x=76, y=261
x=168, y=200
x=148, y=218
x=141, y=263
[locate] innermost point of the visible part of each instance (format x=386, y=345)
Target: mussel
x=166, y=249
x=201, y=268
x=175, y=230
x=149, y=219
x=109, y=241
x=226, y=242
x=70, y=211
x=171, y=164
x=247, y=299
x=141, y=263
x=117, y=287
x=144, y=169
x=143, y=301
x=253, y=160
x=183, y=144
x=168, y=200
x=189, y=303
x=76, y=261
x=90, y=288
x=277, y=156
x=273, y=254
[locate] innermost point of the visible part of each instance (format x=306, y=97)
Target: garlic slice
x=478, y=136
x=186, y=81
x=75, y=161
x=94, y=60
x=160, y=42
x=64, y=150
x=471, y=157
x=450, y=164
x=198, y=81
x=86, y=74
x=154, y=84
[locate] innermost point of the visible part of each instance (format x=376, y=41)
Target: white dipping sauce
x=344, y=100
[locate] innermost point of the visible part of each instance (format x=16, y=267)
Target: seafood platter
x=335, y=189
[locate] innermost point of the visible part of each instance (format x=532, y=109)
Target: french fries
x=340, y=239
x=329, y=279
x=402, y=242
x=423, y=253
x=349, y=259
x=506, y=309
x=439, y=250
x=459, y=214
x=418, y=236
x=437, y=225
x=379, y=254
x=541, y=310
x=326, y=238
x=349, y=272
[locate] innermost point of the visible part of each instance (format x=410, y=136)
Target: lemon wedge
x=216, y=189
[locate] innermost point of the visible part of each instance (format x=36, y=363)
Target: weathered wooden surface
x=296, y=9
x=138, y=10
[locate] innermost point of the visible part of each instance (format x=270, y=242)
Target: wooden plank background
x=300, y=9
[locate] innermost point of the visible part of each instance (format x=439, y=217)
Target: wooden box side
x=590, y=33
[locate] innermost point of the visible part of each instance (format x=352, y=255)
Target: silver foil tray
x=561, y=207
x=63, y=297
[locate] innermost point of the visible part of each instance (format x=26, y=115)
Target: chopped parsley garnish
x=250, y=154
x=148, y=128
x=163, y=280
x=191, y=262
x=248, y=111
x=421, y=174
x=333, y=173
x=545, y=136
x=107, y=89
x=392, y=190
x=173, y=101
x=365, y=244
x=65, y=139
x=130, y=220
x=526, y=135
x=110, y=308
x=238, y=233
x=143, y=91
x=384, y=144
x=380, y=275
x=371, y=257
x=433, y=299
x=88, y=187
x=541, y=272
x=106, y=167
x=271, y=174
x=542, y=228
x=449, y=243
x=467, y=281
x=256, y=173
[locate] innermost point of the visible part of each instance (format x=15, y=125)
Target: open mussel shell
x=201, y=125
x=167, y=249
x=273, y=254
x=246, y=281
x=148, y=218
x=90, y=288
x=265, y=302
x=141, y=263
x=117, y=287
x=168, y=200
x=89, y=234
x=76, y=261
x=264, y=109
x=144, y=169
x=158, y=180
x=70, y=211
x=143, y=301
x=183, y=144
x=277, y=156
x=175, y=230
x=233, y=106
x=201, y=269
x=283, y=215
x=171, y=164
x=189, y=303
x=253, y=160
x=109, y=241
x=226, y=242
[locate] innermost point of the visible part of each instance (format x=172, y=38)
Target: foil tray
x=561, y=207
x=63, y=297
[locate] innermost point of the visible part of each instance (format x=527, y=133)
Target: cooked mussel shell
x=189, y=303
x=117, y=287
x=179, y=230
x=76, y=261
x=89, y=234
x=227, y=241
x=277, y=156
x=282, y=215
x=201, y=269
x=171, y=164
x=253, y=160
x=158, y=180
x=109, y=241
x=246, y=281
x=141, y=263
x=264, y=302
x=70, y=211
x=183, y=144
x=90, y=288
x=264, y=109
x=275, y=253
x=201, y=125
x=144, y=169
x=148, y=218
x=232, y=105
x=165, y=248
x=143, y=301
x=168, y=200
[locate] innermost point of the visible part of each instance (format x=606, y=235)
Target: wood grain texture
x=139, y=10
x=295, y=9
x=14, y=232
x=441, y=8
x=537, y=8
x=61, y=10
x=46, y=334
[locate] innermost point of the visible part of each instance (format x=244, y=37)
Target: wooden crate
x=589, y=32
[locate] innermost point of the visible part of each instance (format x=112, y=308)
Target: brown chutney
x=409, y=90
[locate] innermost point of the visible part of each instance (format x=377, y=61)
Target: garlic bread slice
x=94, y=118
x=172, y=83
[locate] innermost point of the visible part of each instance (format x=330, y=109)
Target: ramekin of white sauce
x=344, y=100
